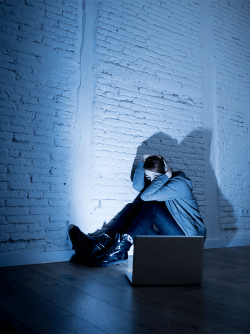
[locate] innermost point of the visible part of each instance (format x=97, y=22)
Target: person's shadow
x=188, y=156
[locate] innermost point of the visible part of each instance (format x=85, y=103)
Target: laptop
x=167, y=260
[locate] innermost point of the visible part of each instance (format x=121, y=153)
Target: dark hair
x=155, y=164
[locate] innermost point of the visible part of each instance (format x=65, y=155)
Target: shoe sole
x=109, y=264
x=122, y=258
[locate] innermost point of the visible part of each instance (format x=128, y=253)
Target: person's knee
x=153, y=206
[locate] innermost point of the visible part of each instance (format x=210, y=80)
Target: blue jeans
x=138, y=218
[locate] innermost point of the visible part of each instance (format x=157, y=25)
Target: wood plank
x=25, y=305
x=114, y=276
x=106, y=275
x=10, y=324
x=65, y=325
x=37, y=282
x=238, y=257
x=226, y=273
x=228, y=287
x=106, y=316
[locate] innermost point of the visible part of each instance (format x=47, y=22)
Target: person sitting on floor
x=166, y=206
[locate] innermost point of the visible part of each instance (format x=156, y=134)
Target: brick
x=13, y=228
x=3, y=185
x=12, y=247
x=59, y=203
x=59, y=217
x=55, y=195
x=15, y=236
x=4, y=237
x=28, y=186
x=3, y=169
x=20, y=169
x=28, y=219
x=49, y=179
x=25, y=202
x=38, y=210
x=6, y=211
x=13, y=194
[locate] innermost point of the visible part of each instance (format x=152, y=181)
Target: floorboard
x=68, y=297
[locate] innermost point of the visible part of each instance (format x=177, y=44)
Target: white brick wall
x=38, y=84
x=231, y=21
x=145, y=93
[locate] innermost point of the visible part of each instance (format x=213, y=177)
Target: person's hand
x=144, y=157
x=167, y=169
x=169, y=173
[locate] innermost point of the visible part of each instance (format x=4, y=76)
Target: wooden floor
x=67, y=297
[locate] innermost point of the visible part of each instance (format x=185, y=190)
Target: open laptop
x=167, y=260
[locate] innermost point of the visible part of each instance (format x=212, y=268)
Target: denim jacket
x=178, y=196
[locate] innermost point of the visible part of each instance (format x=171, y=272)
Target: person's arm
x=138, y=181
x=161, y=189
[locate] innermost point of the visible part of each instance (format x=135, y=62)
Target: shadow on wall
x=189, y=156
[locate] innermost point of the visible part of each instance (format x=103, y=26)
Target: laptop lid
x=165, y=260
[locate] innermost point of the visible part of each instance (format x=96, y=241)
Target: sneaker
x=98, y=244
x=118, y=253
x=75, y=235
x=92, y=245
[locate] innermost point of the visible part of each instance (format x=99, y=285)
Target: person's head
x=154, y=166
